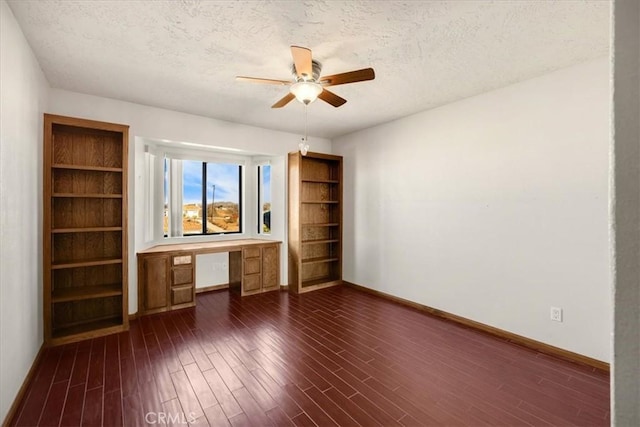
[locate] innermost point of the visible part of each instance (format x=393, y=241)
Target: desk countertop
x=207, y=247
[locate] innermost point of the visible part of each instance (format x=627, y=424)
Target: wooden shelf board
x=318, y=241
x=86, y=263
x=93, y=327
x=85, y=229
x=320, y=259
x=320, y=201
x=320, y=282
x=86, y=292
x=322, y=224
x=322, y=181
x=86, y=168
x=88, y=195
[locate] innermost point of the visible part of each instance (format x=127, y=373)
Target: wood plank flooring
x=332, y=357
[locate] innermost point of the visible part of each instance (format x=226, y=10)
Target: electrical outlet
x=556, y=314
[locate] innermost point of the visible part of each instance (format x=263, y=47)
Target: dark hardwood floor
x=332, y=357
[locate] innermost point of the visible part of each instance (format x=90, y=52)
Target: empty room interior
x=253, y=213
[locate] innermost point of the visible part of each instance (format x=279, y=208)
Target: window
x=208, y=198
x=192, y=195
x=203, y=194
x=264, y=199
x=224, y=207
x=165, y=210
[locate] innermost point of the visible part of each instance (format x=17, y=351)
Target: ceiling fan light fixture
x=307, y=84
x=306, y=91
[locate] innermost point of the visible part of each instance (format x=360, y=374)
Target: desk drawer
x=181, y=276
x=181, y=295
x=251, y=252
x=252, y=266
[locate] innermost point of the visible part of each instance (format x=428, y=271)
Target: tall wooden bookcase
x=85, y=229
x=315, y=221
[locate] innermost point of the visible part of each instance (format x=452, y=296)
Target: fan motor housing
x=316, y=68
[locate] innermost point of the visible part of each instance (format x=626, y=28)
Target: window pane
x=223, y=198
x=191, y=197
x=265, y=201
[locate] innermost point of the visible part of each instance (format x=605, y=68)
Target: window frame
x=260, y=197
x=176, y=186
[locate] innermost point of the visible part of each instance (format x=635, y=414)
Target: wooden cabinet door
x=155, y=283
x=251, y=284
x=270, y=268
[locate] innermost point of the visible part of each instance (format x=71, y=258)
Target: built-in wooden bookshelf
x=85, y=229
x=315, y=221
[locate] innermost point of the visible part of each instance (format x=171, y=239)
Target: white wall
x=24, y=91
x=212, y=270
x=625, y=192
x=159, y=124
x=493, y=208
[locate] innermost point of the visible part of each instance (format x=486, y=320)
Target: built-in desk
x=166, y=273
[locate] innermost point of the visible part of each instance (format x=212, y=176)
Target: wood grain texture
x=153, y=275
x=518, y=339
x=85, y=229
x=331, y=98
x=315, y=221
x=71, y=247
x=348, y=77
x=83, y=181
x=182, y=276
x=270, y=267
x=338, y=356
x=206, y=247
x=164, y=267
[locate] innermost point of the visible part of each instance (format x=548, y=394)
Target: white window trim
x=197, y=155
x=175, y=199
x=259, y=193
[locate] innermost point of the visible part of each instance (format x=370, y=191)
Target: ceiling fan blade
x=331, y=98
x=284, y=101
x=266, y=81
x=302, y=61
x=350, y=77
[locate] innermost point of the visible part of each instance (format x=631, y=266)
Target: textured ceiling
x=183, y=55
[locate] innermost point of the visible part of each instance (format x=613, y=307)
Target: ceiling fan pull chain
x=304, y=145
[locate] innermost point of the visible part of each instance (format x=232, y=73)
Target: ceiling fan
x=307, y=85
